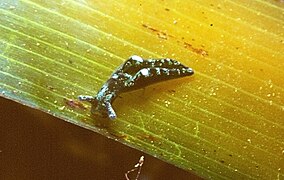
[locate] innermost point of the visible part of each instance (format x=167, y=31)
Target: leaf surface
x=225, y=122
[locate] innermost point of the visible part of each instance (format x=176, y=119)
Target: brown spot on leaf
x=199, y=51
x=118, y=135
x=160, y=34
x=147, y=137
x=74, y=104
x=164, y=35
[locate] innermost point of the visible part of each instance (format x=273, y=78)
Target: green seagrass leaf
x=225, y=122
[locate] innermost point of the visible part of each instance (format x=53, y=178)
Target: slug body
x=133, y=74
